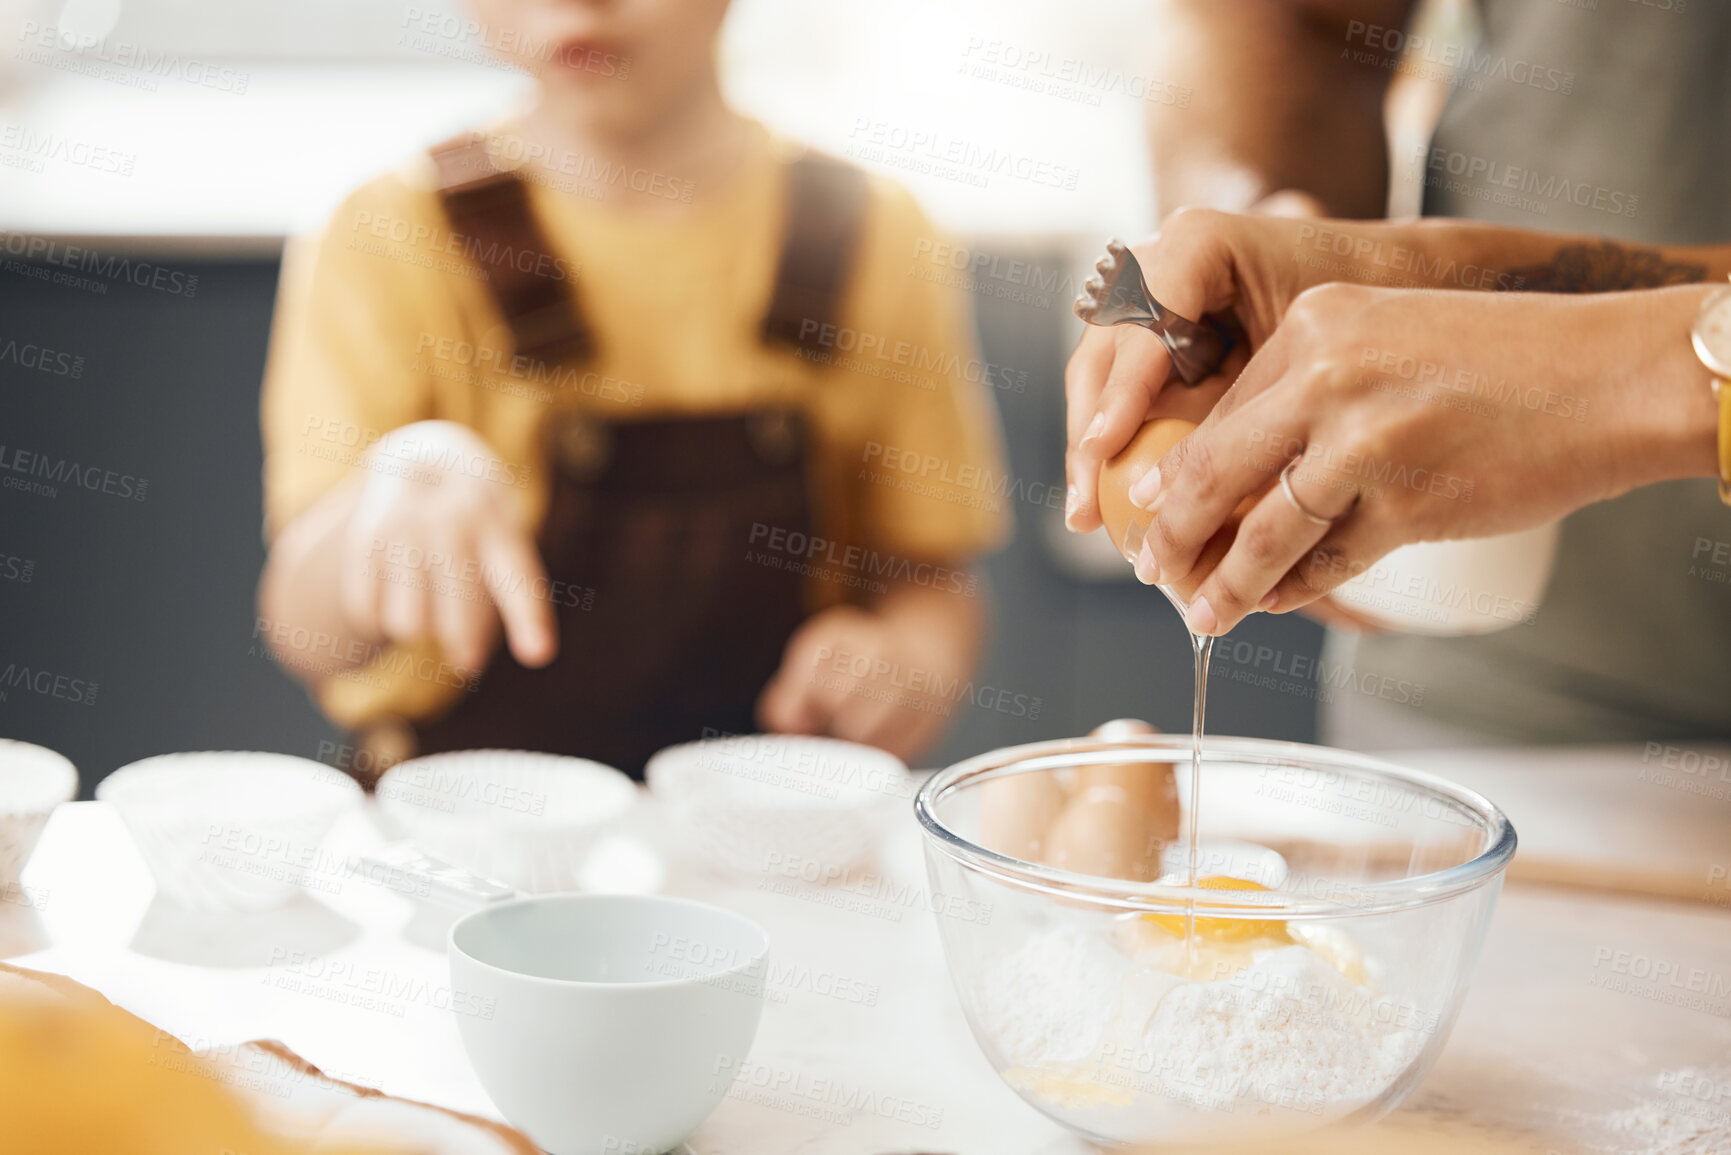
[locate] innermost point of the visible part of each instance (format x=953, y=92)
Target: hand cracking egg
x=1144, y=452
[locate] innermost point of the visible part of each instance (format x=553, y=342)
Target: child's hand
x=866, y=677
x=435, y=545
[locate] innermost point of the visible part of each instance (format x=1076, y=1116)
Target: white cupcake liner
x=524, y=818
x=33, y=781
x=230, y=830
x=747, y=804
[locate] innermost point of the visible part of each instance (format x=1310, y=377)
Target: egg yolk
x=1224, y=929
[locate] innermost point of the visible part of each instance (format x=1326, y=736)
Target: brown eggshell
x=1119, y=815
x=1017, y=812
x=1104, y=832
x=1145, y=450
x=1151, y=787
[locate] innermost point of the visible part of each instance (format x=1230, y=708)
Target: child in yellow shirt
x=646, y=387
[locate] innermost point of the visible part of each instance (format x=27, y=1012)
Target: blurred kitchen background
x=204, y=132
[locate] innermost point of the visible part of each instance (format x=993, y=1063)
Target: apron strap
x=489, y=206
x=826, y=201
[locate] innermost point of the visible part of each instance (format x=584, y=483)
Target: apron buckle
x=582, y=447
x=775, y=436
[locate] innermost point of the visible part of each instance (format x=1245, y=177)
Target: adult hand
x=435, y=546
x=1244, y=271
x=1201, y=263
x=1423, y=416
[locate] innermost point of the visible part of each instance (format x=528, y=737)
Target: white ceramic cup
x=607, y=1022
x=1456, y=588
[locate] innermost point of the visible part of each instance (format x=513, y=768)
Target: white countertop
x=1544, y=1049
x=212, y=981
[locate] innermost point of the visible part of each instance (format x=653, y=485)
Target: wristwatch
x=1712, y=337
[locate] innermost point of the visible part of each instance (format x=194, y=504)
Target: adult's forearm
x=1273, y=104
x=1452, y=254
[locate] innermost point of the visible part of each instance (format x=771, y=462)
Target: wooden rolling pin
x=1670, y=882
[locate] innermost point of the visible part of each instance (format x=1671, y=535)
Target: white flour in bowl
x=1081, y=1023
x=1052, y=1001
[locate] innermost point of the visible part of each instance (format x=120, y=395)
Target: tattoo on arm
x=1604, y=268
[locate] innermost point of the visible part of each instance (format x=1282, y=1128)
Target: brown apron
x=668, y=627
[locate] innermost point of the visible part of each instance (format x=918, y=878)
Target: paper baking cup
x=756, y=803
x=523, y=818
x=231, y=830
x=33, y=781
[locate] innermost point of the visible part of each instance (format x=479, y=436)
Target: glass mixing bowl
x=1312, y=974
